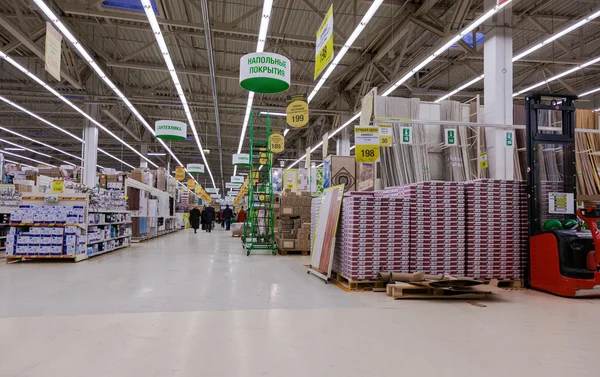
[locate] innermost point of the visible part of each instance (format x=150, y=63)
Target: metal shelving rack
x=259, y=227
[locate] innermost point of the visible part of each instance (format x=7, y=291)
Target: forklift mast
x=550, y=155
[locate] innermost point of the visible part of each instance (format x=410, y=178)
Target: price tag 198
x=366, y=140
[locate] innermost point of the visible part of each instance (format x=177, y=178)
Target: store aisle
x=194, y=305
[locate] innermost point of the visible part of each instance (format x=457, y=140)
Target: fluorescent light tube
x=26, y=158
x=157, y=154
x=273, y=114
x=14, y=149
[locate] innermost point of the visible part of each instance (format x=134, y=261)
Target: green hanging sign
x=264, y=72
x=170, y=130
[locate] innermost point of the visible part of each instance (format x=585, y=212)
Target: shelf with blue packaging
x=74, y=257
x=108, y=239
x=46, y=225
x=117, y=223
x=91, y=255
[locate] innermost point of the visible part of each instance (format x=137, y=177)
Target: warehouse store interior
x=301, y=187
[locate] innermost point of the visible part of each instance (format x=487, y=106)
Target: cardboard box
x=289, y=244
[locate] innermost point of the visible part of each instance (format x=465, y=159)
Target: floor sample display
x=373, y=236
x=496, y=229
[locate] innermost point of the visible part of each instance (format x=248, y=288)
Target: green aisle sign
x=450, y=137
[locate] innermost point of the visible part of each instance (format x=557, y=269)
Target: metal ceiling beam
x=220, y=27
x=213, y=81
x=31, y=45
x=195, y=72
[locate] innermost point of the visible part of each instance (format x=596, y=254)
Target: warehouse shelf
x=108, y=239
x=108, y=251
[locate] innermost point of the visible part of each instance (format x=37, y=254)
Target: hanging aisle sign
x=324, y=50
x=450, y=137
x=276, y=143
x=241, y=159
x=236, y=179
x=386, y=135
x=179, y=173
x=366, y=140
x=297, y=111
x=195, y=168
x=212, y=190
x=191, y=184
x=170, y=130
x=233, y=185
x=264, y=72
x=53, y=51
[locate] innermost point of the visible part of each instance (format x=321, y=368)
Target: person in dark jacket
x=227, y=215
x=209, y=216
x=195, y=218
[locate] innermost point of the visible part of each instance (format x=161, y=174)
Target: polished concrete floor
x=194, y=305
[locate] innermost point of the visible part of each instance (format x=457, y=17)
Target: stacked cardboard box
x=372, y=236
x=496, y=229
x=437, y=226
x=292, y=229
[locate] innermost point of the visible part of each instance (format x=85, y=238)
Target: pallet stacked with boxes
x=292, y=227
x=372, y=236
x=496, y=229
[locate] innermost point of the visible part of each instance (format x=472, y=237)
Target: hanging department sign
x=366, y=140
x=191, y=184
x=386, y=135
x=170, y=130
x=53, y=51
x=236, y=179
x=212, y=190
x=241, y=159
x=324, y=50
x=233, y=185
x=276, y=143
x=195, y=168
x=297, y=111
x=450, y=137
x=264, y=72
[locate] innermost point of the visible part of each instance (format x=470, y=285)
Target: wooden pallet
x=356, y=285
x=505, y=283
x=295, y=252
x=411, y=291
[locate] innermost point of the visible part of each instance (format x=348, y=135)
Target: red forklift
x=565, y=262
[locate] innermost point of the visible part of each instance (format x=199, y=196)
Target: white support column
x=144, y=151
x=343, y=142
x=498, y=101
x=90, y=148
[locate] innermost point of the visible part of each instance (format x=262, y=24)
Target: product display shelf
x=120, y=219
x=159, y=234
x=49, y=227
x=4, y=227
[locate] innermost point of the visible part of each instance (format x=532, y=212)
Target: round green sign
x=264, y=72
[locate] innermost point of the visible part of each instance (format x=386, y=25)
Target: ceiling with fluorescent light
x=121, y=41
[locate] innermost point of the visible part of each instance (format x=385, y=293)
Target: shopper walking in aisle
x=195, y=218
x=241, y=217
x=222, y=217
x=227, y=215
x=209, y=216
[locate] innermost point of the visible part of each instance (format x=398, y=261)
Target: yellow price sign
x=297, y=111
x=324, y=47
x=366, y=140
x=179, y=173
x=276, y=143
x=386, y=135
x=263, y=158
x=58, y=186
x=483, y=160
x=191, y=184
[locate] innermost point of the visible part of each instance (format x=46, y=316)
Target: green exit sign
x=451, y=137
x=509, y=138
x=406, y=135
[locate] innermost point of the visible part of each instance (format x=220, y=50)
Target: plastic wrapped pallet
x=372, y=236
x=496, y=229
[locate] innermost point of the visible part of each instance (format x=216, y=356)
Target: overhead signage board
x=233, y=185
x=324, y=48
x=366, y=140
x=170, y=130
x=237, y=179
x=195, y=168
x=264, y=72
x=297, y=111
x=191, y=184
x=212, y=190
x=241, y=159
x=53, y=51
